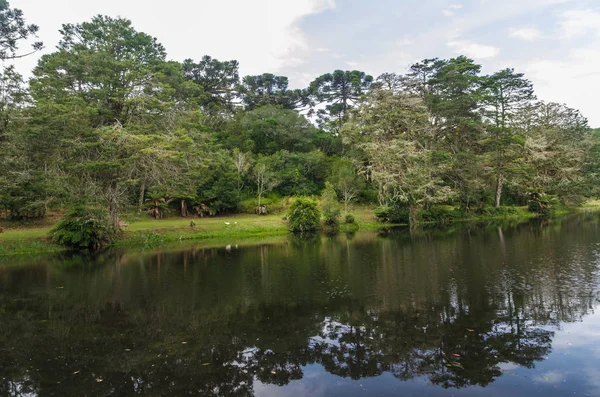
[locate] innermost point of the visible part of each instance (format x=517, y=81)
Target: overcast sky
x=555, y=42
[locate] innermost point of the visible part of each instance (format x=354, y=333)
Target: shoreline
x=156, y=233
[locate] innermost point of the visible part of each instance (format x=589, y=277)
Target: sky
x=556, y=43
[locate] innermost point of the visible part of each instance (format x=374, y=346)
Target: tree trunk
x=499, y=184
x=184, y=212
x=412, y=216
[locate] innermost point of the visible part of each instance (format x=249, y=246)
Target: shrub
x=500, y=211
x=330, y=207
x=303, y=216
x=349, y=219
x=439, y=214
x=83, y=227
x=393, y=214
x=541, y=203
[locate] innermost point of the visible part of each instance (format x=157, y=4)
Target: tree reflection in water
x=450, y=307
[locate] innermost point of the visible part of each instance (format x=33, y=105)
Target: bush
x=440, y=214
x=500, y=211
x=83, y=227
x=541, y=203
x=330, y=206
x=303, y=216
x=349, y=219
x=393, y=214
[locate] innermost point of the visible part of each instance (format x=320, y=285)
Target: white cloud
x=473, y=50
x=264, y=35
x=451, y=10
x=527, y=34
x=577, y=23
x=404, y=42
x=574, y=80
x=551, y=377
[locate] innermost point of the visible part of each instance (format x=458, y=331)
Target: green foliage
x=267, y=89
x=500, y=211
x=541, y=203
x=303, y=216
x=274, y=203
x=395, y=213
x=339, y=91
x=349, y=219
x=83, y=227
x=440, y=214
x=330, y=207
x=107, y=119
x=14, y=29
x=272, y=129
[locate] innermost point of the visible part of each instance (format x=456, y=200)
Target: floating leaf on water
x=456, y=355
x=205, y=364
x=470, y=330
x=76, y=372
x=184, y=343
x=98, y=380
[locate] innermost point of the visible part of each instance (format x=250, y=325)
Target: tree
x=330, y=207
x=23, y=192
x=102, y=99
x=339, y=92
x=269, y=89
x=506, y=93
x=389, y=81
x=242, y=162
x=303, y=216
x=452, y=90
x=272, y=129
x=13, y=29
x=265, y=180
x=218, y=81
x=394, y=132
x=556, y=141
x=107, y=64
x=346, y=181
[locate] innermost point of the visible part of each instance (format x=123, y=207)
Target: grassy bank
x=235, y=229
x=146, y=232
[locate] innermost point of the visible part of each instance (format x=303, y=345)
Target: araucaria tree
x=102, y=97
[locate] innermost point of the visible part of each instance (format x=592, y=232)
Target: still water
x=477, y=310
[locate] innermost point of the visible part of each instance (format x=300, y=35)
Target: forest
x=108, y=122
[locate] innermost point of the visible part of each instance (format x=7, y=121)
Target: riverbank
x=152, y=233
x=149, y=232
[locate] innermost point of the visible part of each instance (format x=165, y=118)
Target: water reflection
x=454, y=307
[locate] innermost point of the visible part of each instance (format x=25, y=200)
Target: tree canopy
x=107, y=120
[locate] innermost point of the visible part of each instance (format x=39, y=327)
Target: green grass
x=235, y=229
x=148, y=232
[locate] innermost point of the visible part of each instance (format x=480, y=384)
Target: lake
x=470, y=310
